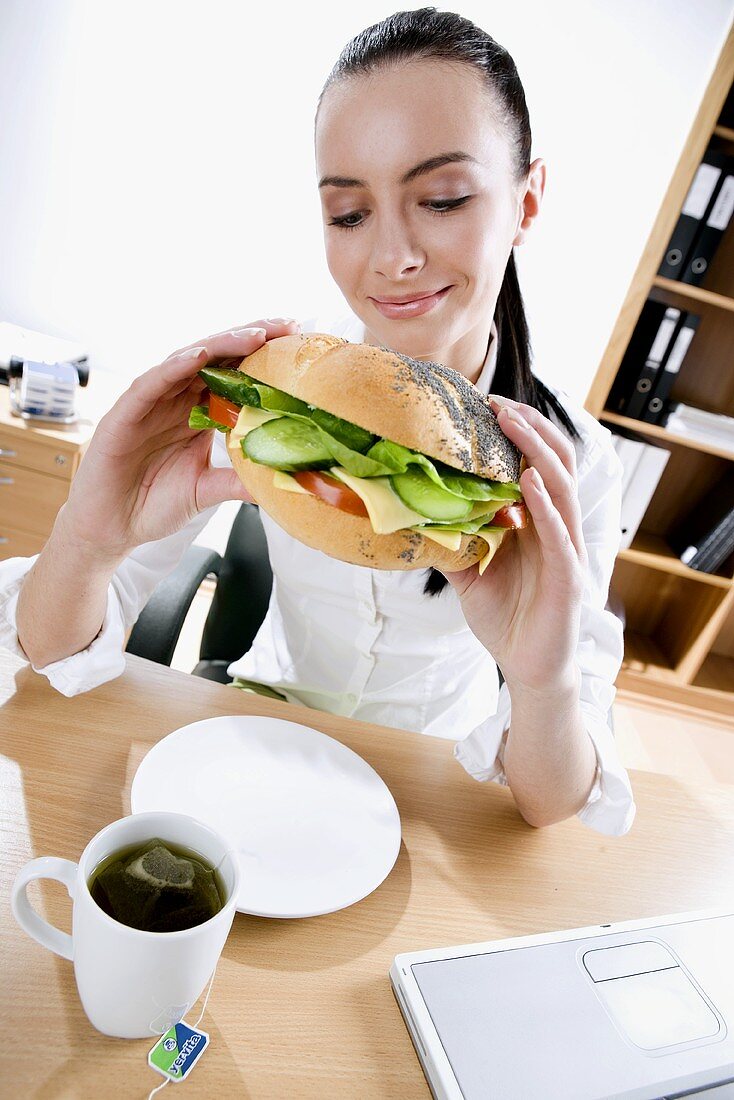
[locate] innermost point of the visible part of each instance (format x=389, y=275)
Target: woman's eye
x=440, y=207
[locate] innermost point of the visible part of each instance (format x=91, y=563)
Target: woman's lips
x=410, y=309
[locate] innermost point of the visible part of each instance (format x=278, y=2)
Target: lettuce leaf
x=466, y=486
x=356, y=464
x=199, y=419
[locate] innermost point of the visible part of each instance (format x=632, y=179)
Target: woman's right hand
x=145, y=473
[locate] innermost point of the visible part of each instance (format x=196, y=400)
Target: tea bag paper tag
x=176, y=1052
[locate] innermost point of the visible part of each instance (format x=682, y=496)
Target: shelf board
x=654, y=553
x=643, y=655
x=685, y=699
x=717, y=674
x=696, y=293
x=656, y=432
x=724, y=132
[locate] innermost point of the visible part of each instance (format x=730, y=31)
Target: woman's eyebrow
x=411, y=174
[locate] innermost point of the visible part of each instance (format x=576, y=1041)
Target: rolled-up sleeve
x=610, y=807
x=130, y=587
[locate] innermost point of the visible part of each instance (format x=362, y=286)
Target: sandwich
x=370, y=456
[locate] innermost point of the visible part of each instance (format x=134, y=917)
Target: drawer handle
x=7, y=481
x=4, y=453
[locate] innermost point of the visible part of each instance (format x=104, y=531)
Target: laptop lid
x=638, y=1010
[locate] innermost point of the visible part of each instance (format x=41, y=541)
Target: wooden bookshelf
x=679, y=633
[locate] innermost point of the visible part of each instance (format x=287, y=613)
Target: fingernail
x=516, y=417
x=537, y=480
x=247, y=332
x=190, y=353
x=282, y=320
x=495, y=405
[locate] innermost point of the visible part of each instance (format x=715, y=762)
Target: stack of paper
x=705, y=426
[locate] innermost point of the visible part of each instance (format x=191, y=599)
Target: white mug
x=133, y=983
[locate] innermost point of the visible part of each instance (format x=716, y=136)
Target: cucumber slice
x=422, y=494
x=279, y=401
x=287, y=444
x=351, y=435
x=476, y=488
x=232, y=384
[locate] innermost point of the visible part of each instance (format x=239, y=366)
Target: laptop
x=640, y=1010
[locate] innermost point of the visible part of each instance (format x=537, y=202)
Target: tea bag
x=156, y=890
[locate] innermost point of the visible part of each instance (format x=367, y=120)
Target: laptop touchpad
x=649, y=996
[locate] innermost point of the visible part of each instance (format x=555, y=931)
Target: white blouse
x=368, y=644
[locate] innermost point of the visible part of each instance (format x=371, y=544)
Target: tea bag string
x=201, y=1016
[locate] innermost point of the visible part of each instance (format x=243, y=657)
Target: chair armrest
x=159, y=624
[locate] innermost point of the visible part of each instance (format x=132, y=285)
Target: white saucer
x=315, y=827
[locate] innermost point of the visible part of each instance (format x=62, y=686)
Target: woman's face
x=370, y=133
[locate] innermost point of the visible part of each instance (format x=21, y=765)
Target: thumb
x=218, y=484
x=460, y=579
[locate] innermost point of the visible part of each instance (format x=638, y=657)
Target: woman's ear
x=530, y=200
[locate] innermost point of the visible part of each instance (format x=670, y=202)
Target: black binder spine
x=638, y=351
x=680, y=344
x=653, y=364
x=712, y=230
x=697, y=204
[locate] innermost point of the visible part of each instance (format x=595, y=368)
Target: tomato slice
x=511, y=515
x=331, y=491
x=223, y=411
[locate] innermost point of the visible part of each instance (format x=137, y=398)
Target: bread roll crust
x=424, y=406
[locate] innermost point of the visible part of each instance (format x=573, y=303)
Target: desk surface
x=303, y=1008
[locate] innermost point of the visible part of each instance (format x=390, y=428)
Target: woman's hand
x=525, y=608
x=146, y=473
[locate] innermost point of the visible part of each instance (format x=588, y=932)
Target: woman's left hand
x=525, y=608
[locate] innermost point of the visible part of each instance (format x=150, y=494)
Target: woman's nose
x=395, y=252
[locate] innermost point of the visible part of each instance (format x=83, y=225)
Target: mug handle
x=63, y=870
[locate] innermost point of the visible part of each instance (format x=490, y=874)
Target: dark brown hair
x=427, y=33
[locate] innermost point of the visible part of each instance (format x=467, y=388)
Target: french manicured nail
x=494, y=405
x=190, y=353
x=536, y=480
x=247, y=332
x=516, y=417
x=282, y=320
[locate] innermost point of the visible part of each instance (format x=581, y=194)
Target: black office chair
x=239, y=604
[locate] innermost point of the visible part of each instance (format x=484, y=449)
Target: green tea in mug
x=157, y=887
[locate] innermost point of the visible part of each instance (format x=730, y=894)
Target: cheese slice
x=493, y=540
x=282, y=480
x=450, y=539
x=385, y=509
x=250, y=418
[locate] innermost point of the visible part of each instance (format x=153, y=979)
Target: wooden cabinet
x=679, y=635
x=38, y=461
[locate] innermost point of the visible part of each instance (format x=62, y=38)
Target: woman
x=422, y=145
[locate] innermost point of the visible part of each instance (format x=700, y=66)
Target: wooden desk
x=303, y=1008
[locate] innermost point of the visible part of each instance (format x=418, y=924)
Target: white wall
x=158, y=181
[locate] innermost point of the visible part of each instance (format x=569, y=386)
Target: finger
x=545, y=427
x=558, y=545
x=183, y=366
x=217, y=485
x=559, y=482
x=274, y=326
